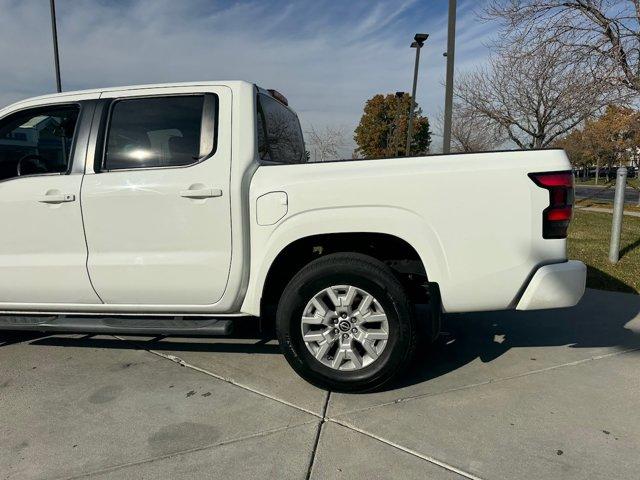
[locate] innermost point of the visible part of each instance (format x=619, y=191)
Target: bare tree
x=473, y=132
x=356, y=155
x=325, y=144
x=532, y=99
x=602, y=35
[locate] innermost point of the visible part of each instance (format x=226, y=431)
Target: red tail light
x=556, y=217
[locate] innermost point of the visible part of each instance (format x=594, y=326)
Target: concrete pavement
x=504, y=395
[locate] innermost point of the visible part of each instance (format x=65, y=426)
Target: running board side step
x=195, y=326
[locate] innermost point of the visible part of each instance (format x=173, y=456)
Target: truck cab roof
x=233, y=84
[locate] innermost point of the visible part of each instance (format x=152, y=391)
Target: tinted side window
x=37, y=141
x=282, y=130
x=158, y=132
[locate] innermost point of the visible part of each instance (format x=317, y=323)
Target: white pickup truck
x=179, y=209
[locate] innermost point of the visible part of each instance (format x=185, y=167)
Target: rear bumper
x=555, y=286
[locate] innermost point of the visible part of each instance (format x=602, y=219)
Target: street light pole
x=448, y=101
x=54, y=32
x=419, y=38
x=397, y=139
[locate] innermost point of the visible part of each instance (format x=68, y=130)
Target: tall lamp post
x=448, y=102
x=54, y=32
x=419, y=40
x=397, y=140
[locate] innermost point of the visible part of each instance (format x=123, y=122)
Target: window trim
x=74, y=141
x=208, y=126
x=266, y=137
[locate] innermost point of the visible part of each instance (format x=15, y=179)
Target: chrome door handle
x=201, y=193
x=57, y=198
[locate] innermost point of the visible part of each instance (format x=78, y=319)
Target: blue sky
x=326, y=56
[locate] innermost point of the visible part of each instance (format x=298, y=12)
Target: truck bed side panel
x=474, y=219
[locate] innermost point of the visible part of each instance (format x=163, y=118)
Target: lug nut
x=335, y=330
x=354, y=330
x=344, y=315
x=345, y=336
x=335, y=320
x=354, y=319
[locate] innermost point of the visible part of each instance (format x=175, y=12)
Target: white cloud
x=326, y=57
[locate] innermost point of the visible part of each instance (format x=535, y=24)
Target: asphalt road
x=605, y=194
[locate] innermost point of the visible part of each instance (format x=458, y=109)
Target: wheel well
x=400, y=256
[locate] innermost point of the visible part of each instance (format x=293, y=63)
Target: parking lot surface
x=508, y=395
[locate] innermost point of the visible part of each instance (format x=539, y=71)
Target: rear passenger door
x=155, y=197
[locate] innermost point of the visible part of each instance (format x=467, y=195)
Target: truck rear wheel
x=345, y=323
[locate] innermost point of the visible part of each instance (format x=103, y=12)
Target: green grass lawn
x=588, y=241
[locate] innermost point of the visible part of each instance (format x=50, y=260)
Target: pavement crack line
x=419, y=455
x=316, y=442
x=183, y=363
x=487, y=382
x=178, y=453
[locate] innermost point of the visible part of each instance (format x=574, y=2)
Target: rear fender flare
x=399, y=222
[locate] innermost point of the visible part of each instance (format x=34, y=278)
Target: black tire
x=376, y=278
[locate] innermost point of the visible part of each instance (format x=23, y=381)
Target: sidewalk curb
x=606, y=210
x=602, y=187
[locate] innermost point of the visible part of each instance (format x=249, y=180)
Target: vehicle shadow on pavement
x=246, y=339
x=205, y=344
x=600, y=320
x=11, y=337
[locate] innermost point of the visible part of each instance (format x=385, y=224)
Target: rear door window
x=158, y=132
x=280, y=138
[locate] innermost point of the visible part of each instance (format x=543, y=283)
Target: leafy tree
x=613, y=138
x=575, y=146
x=382, y=131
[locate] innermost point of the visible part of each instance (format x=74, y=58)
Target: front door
x=157, y=204
x=43, y=253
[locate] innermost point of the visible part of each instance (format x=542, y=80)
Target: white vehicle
x=179, y=209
